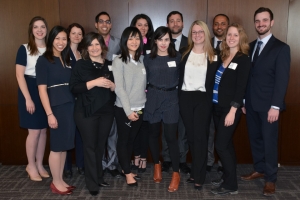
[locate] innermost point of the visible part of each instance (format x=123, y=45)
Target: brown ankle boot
x=174, y=182
x=157, y=173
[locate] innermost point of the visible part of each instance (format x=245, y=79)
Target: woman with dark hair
x=130, y=79
x=92, y=83
x=31, y=112
x=141, y=142
x=75, y=32
x=53, y=73
x=197, y=69
x=229, y=89
x=162, y=66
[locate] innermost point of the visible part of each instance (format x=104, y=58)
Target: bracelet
x=49, y=114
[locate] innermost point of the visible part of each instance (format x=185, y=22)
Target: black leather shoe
x=104, y=184
x=198, y=187
x=115, y=173
x=217, y=182
x=220, y=169
x=68, y=173
x=184, y=168
x=94, y=193
x=208, y=168
x=132, y=184
x=165, y=166
x=221, y=190
x=137, y=177
x=190, y=180
x=80, y=170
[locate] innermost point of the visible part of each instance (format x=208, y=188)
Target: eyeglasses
x=100, y=21
x=199, y=32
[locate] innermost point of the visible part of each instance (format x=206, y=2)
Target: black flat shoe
x=222, y=191
x=190, y=180
x=198, y=187
x=104, y=184
x=80, y=170
x=184, y=168
x=115, y=173
x=132, y=184
x=94, y=193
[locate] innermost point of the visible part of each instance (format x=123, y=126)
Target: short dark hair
x=123, y=44
x=223, y=15
x=87, y=41
x=158, y=34
x=101, y=13
x=174, y=13
x=263, y=9
x=147, y=18
x=49, y=46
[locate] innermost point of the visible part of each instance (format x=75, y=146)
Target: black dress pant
x=196, y=112
x=141, y=142
x=224, y=145
x=170, y=135
x=126, y=137
x=94, y=131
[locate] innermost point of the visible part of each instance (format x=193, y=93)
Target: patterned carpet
x=14, y=184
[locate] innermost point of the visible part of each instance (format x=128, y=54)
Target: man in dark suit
x=220, y=24
x=267, y=85
x=103, y=25
x=175, y=24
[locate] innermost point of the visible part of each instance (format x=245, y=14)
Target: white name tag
x=215, y=58
x=232, y=66
x=148, y=51
x=114, y=55
x=109, y=67
x=172, y=64
x=144, y=71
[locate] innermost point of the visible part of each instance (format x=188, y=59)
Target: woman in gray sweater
x=130, y=79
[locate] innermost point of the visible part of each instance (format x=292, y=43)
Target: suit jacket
x=268, y=79
x=183, y=42
x=113, y=47
x=210, y=74
x=232, y=86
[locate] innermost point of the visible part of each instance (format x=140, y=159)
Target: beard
x=176, y=32
x=264, y=31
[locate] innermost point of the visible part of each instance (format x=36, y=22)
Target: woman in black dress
x=53, y=73
x=31, y=112
x=92, y=83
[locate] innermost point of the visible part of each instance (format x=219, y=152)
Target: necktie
x=218, y=45
x=174, y=40
x=256, y=53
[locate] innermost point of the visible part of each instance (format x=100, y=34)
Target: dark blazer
x=233, y=82
x=268, y=79
x=210, y=74
x=183, y=42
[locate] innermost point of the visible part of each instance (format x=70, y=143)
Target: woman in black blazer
x=197, y=70
x=229, y=89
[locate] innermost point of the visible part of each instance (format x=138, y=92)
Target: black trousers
x=170, y=135
x=94, y=131
x=224, y=145
x=141, y=142
x=126, y=137
x=196, y=112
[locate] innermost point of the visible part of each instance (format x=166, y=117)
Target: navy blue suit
x=267, y=84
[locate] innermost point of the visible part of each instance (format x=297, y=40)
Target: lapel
x=232, y=61
x=111, y=42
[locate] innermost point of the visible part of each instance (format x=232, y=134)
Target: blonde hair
x=243, y=42
x=207, y=44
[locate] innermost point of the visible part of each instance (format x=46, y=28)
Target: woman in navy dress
x=53, y=72
x=31, y=112
x=75, y=33
x=162, y=66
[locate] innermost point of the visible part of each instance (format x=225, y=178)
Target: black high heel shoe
x=141, y=169
x=134, y=166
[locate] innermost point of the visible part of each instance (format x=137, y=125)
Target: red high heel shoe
x=71, y=187
x=55, y=190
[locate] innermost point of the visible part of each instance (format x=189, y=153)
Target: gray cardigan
x=130, y=81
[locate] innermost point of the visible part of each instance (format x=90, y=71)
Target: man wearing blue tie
x=267, y=85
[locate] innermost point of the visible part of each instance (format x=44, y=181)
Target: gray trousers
x=111, y=160
x=182, y=143
x=211, y=146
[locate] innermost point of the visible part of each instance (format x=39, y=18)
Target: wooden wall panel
x=85, y=11
x=15, y=17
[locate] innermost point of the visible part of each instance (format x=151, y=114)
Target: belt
x=162, y=89
x=29, y=76
x=52, y=86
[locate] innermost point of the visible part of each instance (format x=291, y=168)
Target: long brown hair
x=243, y=43
x=207, y=44
x=31, y=39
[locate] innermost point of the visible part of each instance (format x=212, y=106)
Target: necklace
x=98, y=65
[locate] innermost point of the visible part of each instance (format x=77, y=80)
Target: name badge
x=109, y=67
x=215, y=58
x=172, y=64
x=144, y=71
x=113, y=56
x=232, y=66
x=148, y=51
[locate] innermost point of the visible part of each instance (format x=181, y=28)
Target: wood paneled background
x=15, y=16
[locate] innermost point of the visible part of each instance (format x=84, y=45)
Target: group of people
x=113, y=95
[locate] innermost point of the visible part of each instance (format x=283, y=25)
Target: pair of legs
x=125, y=141
x=195, y=111
x=35, y=148
x=224, y=145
